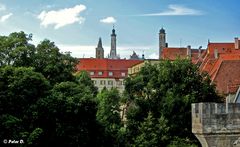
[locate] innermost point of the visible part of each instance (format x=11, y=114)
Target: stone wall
x=216, y=124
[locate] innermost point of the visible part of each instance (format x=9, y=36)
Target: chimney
x=199, y=51
x=189, y=51
x=237, y=44
x=215, y=53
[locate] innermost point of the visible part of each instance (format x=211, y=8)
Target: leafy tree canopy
x=67, y=116
x=167, y=90
x=55, y=66
x=16, y=50
x=19, y=88
x=45, y=58
x=84, y=79
x=108, y=115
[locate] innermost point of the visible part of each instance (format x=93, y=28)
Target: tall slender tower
x=113, y=51
x=99, y=50
x=162, y=41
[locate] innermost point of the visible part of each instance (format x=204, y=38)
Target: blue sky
x=76, y=25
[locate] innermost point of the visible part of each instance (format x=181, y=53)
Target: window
x=110, y=73
x=91, y=73
x=120, y=83
x=110, y=82
x=102, y=82
x=94, y=82
x=100, y=73
x=123, y=74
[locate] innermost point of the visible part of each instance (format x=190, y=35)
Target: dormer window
x=91, y=73
x=110, y=73
x=123, y=74
x=100, y=73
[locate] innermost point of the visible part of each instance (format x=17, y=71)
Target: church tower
x=113, y=51
x=99, y=50
x=162, y=41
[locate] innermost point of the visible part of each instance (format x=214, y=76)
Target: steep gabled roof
x=221, y=48
x=222, y=62
x=223, y=58
x=227, y=76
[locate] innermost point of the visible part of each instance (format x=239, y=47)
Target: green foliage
x=33, y=138
x=55, y=66
x=42, y=102
x=16, y=50
x=108, y=108
x=10, y=126
x=19, y=88
x=179, y=142
x=84, y=79
x=153, y=132
x=67, y=116
x=167, y=90
x=108, y=114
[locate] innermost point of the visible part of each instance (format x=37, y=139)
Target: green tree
x=180, y=142
x=34, y=137
x=10, y=126
x=55, y=66
x=46, y=58
x=16, y=50
x=108, y=115
x=84, y=79
x=167, y=90
x=20, y=88
x=68, y=116
x=153, y=132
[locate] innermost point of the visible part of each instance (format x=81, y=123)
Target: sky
x=76, y=25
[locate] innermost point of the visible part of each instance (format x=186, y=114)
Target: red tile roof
x=174, y=53
x=224, y=69
x=227, y=76
x=208, y=65
x=222, y=58
x=116, y=66
x=222, y=48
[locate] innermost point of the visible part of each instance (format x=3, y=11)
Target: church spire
x=113, y=31
x=99, y=50
x=113, y=51
x=162, y=41
x=100, y=43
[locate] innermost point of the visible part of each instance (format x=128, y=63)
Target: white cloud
x=2, y=7
x=109, y=19
x=5, y=17
x=62, y=17
x=175, y=10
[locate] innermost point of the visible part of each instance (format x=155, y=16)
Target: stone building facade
x=216, y=124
